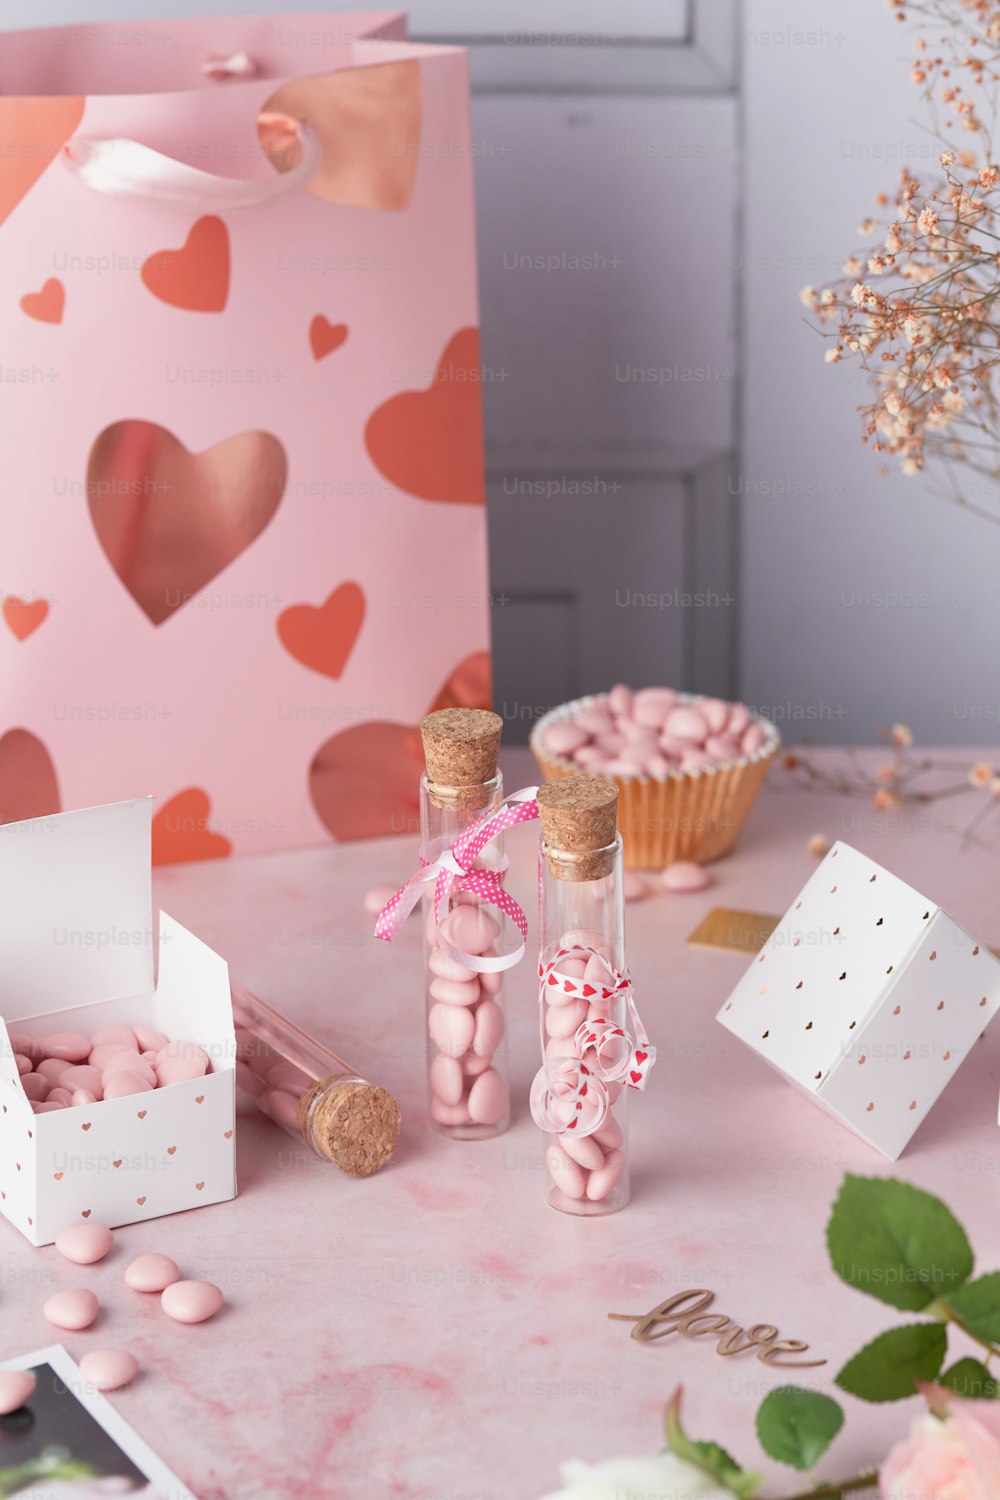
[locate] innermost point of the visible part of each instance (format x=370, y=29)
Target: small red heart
x=199, y=1099
x=199, y=1186
x=58, y=1176
x=141, y=1200
x=635, y=1077
x=171, y=1150
x=606, y=994
x=85, y=1127
x=587, y=991
x=117, y=1163
x=196, y=277
x=583, y=1095
x=568, y=986
x=640, y=1057
x=22, y=617
x=322, y=636
x=325, y=336
x=141, y=1114
x=571, y=1125
x=592, y=1037
x=46, y=305
x=553, y=979
x=228, y=1134
x=86, y=1212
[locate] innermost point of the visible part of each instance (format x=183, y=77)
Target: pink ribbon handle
x=454, y=870
x=123, y=168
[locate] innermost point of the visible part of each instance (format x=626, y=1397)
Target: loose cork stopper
x=579, y=817
x=352, y=1123
x=461, y=746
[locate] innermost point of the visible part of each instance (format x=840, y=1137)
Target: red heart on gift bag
x=640, y=1057
x=325, y=336
x=47, y=305
x=34, y=132
x=196, y=277
x=635, y=1077
x=181, y=831
x=430, y=442
x=22, y=617
x=323, y=637
x=28, y=785
x=363, y=780
x=169, y=520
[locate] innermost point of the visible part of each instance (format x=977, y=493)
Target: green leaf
x=796, y=1427
x=890, y=1366
x=970, y=1378
x=977, y=1307
x=897, y=1243
x=708, y=1456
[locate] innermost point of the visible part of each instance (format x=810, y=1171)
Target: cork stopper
x=461, y=746
x=579, y=816
x=352, y=1123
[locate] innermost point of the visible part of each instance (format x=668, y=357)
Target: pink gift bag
x=242, y=544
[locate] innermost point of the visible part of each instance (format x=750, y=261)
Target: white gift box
x=867, y=996
x=76, y=954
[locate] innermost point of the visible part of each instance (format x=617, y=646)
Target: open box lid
x=76, y=908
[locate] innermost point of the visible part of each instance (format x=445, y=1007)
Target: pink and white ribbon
x=569, y=1093
x=455, y=870
x=123, y=168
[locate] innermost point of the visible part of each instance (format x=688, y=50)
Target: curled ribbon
x=454, y=870
x=571, y=1093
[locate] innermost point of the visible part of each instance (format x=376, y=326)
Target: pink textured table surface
x=438, y=1332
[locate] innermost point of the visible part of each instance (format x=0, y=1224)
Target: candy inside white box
x=867, y=996
x=76, y=953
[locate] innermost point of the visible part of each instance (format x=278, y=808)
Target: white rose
x=665, y=1477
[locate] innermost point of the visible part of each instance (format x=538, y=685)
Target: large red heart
x=322, y=638
x=33, y=132
x=23, y=617
x=46, y=305
x=364, y=781
x=169, y=520
x=28, y=785
x=430, y=442
x=325, y=336
x=181, y=831
x=196, y=277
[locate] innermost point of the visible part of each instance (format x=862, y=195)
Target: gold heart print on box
x=169, y=520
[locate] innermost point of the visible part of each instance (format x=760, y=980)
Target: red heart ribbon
x=454, y=869
x=568, y=1087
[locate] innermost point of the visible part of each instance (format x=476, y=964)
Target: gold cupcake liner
x=685, y=815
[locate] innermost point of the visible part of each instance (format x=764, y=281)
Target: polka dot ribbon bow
x=575, y=1092
x=455, y=870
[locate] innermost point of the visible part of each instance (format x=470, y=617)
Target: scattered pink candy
x=683, y=877
x=108, y=1369
x=16, y=1387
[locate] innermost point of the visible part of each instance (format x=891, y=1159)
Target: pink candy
x=65, y=1069
x=651, y=733
x=465, y=1022
x=583, y=1165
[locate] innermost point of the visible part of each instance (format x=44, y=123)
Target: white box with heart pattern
x=867, y=996
x=77, y=953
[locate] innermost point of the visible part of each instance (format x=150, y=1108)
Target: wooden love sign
x=694, y=1323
